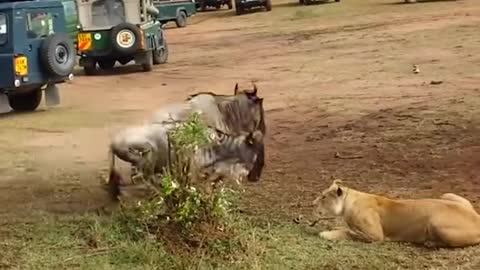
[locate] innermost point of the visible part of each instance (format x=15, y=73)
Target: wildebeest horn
x=236, y=89
x=254, y=88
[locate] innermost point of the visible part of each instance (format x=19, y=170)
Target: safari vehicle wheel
x=106, y=64
x=26, y=101
x=90, y=68
x=57, y=54
x=301, y=2
x=203, y=5
x=238, y=9
x=230, y=4
x=181, y=19
x=268, y=5
x=160, y=55
x=148, y=65
x=126, y=38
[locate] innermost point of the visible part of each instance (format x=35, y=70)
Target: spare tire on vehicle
x=57, y=54
x=126, y=38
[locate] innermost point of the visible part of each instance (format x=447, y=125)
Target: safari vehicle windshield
x=108, y=13
x=39, y=24
x=3, y=29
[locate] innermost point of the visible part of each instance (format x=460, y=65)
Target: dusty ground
x=336, y=77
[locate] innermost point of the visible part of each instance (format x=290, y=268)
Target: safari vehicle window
x=108, y=13
x=39, y=24
x=69, y=8
x=3, y=29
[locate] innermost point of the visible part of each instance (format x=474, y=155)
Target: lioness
x=450, y=221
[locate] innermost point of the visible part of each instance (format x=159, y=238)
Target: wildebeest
x=235, y=114
x=227, y=157
x=239, y=117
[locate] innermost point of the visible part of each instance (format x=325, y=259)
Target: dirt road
x=336, y=78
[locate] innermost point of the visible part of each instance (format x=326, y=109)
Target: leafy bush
x=178, y=201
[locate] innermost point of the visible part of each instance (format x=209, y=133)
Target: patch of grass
x=96, y=242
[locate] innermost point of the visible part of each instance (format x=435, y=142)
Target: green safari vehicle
x=175, y=10
x=119, y=30
x=36, y=54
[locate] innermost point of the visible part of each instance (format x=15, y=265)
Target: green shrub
x=177, y=201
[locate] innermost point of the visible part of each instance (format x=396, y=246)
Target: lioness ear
x=339, y=192
x=236, y=89
x=337, y=181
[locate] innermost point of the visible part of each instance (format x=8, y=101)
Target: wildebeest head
x=251, y=93
x=243, y=113
x=234, y=155
x=257, y=113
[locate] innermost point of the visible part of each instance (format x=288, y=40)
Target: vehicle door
x=166, y=9
x=7, y=75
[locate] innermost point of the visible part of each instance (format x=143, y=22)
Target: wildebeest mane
x=248, y=93
x=237, y=116
x=210, y=93
x=203, y=93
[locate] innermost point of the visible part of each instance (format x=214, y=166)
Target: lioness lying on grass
x=450, y=221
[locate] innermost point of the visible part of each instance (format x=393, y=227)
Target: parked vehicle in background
x=174, y=10
x=71, y=17
x=203, y=4
x=119, y=31
x=242, y=5
x=36, y=53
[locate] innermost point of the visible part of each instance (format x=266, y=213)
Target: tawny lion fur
x=450, y=221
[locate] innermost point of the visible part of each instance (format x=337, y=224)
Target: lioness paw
x=329, y=235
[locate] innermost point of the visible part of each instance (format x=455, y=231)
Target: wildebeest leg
x=135, y=174
x=146, y=165
x=127, y=153
x=133, y=153
x=256, y=171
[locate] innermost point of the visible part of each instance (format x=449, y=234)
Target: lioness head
x=331, y=201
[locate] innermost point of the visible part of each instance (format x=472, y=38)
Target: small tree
x=178, y=200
